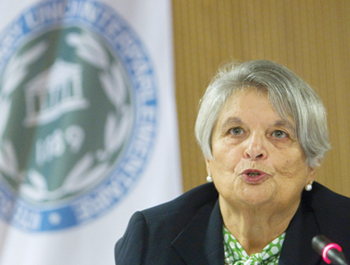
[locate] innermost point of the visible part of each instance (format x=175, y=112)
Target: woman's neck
x=256, y=227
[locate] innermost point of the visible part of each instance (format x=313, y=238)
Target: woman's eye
x=236, y=131
x=279, y=134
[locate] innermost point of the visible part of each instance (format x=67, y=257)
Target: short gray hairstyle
x=288, y=94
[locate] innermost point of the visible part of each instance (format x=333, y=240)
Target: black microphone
x=330, y=252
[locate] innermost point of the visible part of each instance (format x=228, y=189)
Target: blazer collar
x=297, y=248
x=201, y=241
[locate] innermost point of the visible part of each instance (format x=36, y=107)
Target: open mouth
x=254, y=176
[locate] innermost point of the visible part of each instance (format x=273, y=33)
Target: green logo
x=72, y=119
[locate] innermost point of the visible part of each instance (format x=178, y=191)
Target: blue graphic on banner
x=78, y=114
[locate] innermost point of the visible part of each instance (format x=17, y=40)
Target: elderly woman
x=263, y=133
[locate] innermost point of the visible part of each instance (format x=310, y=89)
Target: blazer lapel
x=201, y=241
x=297, y=248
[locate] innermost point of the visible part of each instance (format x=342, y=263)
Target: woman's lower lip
x=254, y=179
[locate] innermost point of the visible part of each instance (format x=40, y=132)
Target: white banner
x=88, y=131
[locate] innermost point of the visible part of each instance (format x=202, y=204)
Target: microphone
x=330, y=252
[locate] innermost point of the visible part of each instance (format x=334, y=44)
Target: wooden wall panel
x=312, y=38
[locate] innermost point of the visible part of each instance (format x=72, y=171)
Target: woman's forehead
x=251, y=99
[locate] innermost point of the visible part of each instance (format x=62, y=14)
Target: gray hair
x=288, y=94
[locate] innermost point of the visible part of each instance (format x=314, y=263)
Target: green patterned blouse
x=236, y=255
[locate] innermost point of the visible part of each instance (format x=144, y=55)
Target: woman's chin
x=257, y=194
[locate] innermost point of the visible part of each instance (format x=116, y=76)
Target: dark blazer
x=188, y=230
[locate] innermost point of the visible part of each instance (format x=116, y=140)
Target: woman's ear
x=311, y=176
x=207, y=161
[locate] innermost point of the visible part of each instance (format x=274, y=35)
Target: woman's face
x=257, y=159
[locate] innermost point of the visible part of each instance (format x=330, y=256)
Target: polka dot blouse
x=236, y=255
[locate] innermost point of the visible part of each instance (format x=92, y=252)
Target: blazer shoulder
x=129, y=249
x=332, y=212
x=323, y=199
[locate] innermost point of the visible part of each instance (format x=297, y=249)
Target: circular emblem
x=78, y=114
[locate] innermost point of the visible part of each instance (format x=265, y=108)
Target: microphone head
x=319, y=243
x=330, y=252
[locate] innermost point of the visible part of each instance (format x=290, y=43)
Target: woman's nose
x=255, y=149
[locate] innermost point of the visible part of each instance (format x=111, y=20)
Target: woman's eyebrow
x=286, y=124
x=232, y=120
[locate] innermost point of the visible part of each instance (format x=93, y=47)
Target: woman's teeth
x=253, y=174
